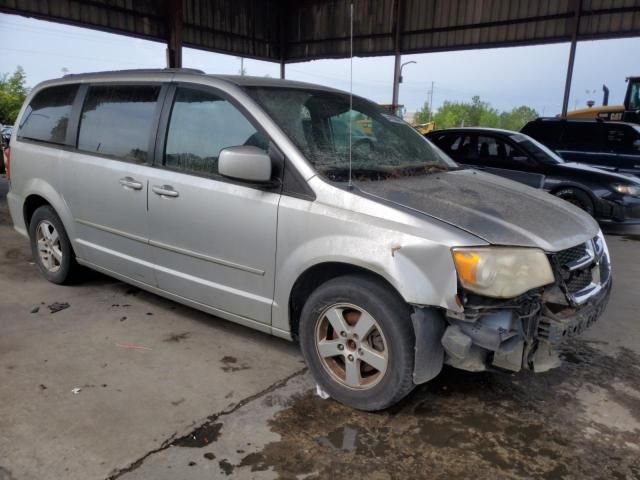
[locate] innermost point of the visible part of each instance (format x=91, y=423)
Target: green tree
x=481, y=114
x=13, y=90
x=423, y=115
x=518, y=117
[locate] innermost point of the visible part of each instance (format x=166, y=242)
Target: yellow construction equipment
x=629, y=112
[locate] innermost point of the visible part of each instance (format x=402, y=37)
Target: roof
x=475, y=129
x=150, y=74
x=298, y=30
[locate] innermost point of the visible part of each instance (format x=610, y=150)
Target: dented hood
x=492, y=208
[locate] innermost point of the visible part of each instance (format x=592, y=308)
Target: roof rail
x=138, y=70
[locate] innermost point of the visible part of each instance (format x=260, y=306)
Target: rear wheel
x=578, y=198
x=51, y=248
x=357, y=338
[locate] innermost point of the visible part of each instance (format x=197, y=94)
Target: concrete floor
x=166, y=392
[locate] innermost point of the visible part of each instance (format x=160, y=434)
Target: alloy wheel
x=351, y=346
x=48, y=243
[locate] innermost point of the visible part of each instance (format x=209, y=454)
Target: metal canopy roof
x=297, y=30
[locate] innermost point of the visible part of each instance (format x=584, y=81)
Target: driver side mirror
x=246, y=163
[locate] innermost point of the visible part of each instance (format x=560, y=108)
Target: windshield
x=383, y=146
x=539, y=151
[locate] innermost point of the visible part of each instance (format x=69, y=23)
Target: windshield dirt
x=382, y=145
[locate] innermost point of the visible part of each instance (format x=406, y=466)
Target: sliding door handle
x=164, y=191
x=130, y=183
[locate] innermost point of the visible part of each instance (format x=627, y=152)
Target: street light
x=396, y=83
x=401, y=67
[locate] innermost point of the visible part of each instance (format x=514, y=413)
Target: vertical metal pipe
x=572, y=55
x=282, y=65
x=396, y=69
x=396, y=83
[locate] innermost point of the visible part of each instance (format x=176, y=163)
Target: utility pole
x=431, y=100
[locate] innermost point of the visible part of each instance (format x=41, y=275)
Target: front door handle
x=164, y=191
x=130, y=183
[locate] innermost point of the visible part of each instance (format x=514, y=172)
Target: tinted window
x=202, y=124
x=582, y=136
x=622, y=139
x=457, y=146
x=491, y=148
x=47, y=115
x=117, y=120
x=545, y=132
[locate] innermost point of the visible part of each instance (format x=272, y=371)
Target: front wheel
x=357, y=338
x=578, y=198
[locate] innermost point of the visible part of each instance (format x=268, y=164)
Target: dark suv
x=610, y=145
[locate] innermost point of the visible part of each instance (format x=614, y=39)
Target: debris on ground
x=55, y=307
x=132, y=346
x=176, y=337
x=76, y=390
x=321, y=393
x=35, y=309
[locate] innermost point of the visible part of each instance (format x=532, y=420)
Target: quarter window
x=117, y=120
x=202, y=124
x=582, y=136
x=47, y=116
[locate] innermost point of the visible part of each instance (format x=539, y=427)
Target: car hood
x=601, y=172
x=494, y=209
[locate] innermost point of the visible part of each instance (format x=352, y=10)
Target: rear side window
x=117, y=120
x=545, y=132
x=47, y=116
x=582, y=136
x=202, y=124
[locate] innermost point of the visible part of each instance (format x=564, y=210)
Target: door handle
x=128, y=182
x=164, y=191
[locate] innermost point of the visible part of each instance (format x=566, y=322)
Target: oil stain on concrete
x=579, y=421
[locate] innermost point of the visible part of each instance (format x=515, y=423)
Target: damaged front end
x=521, y=333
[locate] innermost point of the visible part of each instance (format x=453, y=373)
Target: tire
x=578, y=198
x=355, y=299
x=59, y=264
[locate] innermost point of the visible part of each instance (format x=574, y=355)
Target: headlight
x=502, y=272
x=632, y=190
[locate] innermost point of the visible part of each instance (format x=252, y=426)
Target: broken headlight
x=502, y=272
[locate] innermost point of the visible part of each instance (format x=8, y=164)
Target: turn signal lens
x=467, y=265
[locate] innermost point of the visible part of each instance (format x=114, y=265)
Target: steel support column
x=174, y=33
x=572, y=55
x=396, y=67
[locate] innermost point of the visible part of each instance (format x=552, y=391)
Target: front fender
x=312, y=233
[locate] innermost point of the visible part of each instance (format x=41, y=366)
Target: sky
x=504, y=77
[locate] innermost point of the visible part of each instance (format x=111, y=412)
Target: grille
x=579, y=280
x=571, y=254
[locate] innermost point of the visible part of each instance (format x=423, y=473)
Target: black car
x=611, y=145
x=608, y=196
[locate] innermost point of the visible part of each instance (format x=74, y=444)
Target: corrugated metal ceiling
x=297, y=30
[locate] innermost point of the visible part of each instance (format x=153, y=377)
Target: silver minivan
x=248, y=198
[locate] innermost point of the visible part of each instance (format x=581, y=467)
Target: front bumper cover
x=523, y=332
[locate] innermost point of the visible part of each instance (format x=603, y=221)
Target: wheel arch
x=587, y=191
x=38, y=193
x=320, y=273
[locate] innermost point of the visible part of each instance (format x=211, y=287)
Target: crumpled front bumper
x=522, y=333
